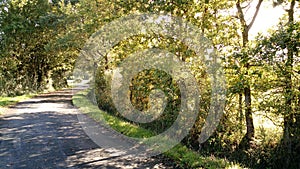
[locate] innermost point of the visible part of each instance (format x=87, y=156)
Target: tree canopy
x=40, y=41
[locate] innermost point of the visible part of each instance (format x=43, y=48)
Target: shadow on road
x=44, y=132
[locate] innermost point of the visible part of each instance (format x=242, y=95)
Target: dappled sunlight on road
x=44, y=132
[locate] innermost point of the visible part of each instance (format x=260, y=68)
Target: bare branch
x=255, y=14
x=247, y=5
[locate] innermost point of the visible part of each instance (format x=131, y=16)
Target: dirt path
x=44, y=132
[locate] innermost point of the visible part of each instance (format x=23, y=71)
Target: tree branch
x=241, y=13
x=247, y=5
x=255, y=14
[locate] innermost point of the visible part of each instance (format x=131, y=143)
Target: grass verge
x=185, y=157
x=8, y=101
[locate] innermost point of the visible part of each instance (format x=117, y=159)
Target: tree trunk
x=288, y=93
x=247, y=89
x=248, y=114
x=240, y=110
x=288, y=113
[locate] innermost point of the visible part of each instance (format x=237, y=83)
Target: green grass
x=86, y=106
x=180, y=153
x=8, y=101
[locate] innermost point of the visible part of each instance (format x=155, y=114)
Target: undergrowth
x=185, y=157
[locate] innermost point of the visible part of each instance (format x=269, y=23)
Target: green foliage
x=223, y=30
x=26, y=63
x=8, y=101
x=180, y=153
x=280, y=52
x=40, y=42
x=143, y=84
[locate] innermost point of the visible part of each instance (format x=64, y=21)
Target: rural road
x=44, y=132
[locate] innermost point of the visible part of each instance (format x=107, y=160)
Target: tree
x=245, y=28
x=281, y=49
x=30, y=63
